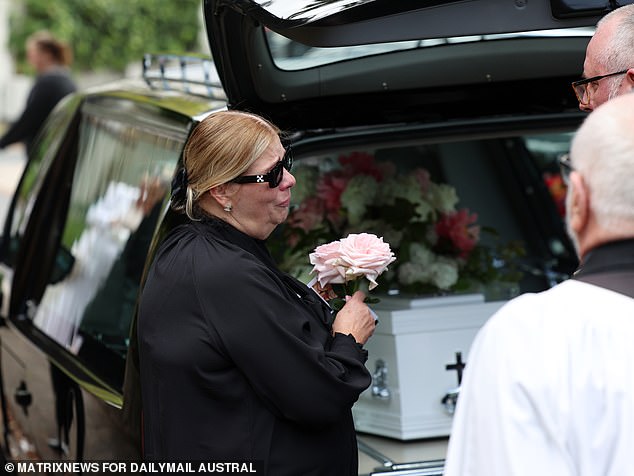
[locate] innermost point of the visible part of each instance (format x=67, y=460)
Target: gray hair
x=619, y=53
x=603, y=153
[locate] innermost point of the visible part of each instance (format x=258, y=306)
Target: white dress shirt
x=549, y=388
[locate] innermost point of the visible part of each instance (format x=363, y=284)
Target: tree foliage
x=108, y=34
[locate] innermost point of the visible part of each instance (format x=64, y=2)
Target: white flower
x=305, y=183
x=443, y=197
x=405, y=187
x=359, y=193
x=420, y=254
x=444, y=273
x=424, y=210
x=410, y=273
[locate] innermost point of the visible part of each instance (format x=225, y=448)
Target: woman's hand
x=355, y=318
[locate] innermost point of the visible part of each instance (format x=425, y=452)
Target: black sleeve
x=290, y=359
x=45, y=94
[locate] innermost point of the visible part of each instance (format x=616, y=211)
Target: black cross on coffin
x=458, y=366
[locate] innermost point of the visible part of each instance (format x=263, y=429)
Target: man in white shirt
x=549, y=384
x=608, y=69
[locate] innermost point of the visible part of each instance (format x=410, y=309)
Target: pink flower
x=325, y=260
x=422, y=177
x=362, y=255
x=366, y=255
x=459, y=228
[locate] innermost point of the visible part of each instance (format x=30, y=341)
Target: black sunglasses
x=274, y=176
x=565, y=167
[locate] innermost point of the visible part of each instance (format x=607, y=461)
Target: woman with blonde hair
x=239, y=361
x=50, y=57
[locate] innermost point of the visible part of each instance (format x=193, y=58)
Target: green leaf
x=337, y=304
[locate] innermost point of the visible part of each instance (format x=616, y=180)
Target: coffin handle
x=450, y=400
x=380, y=387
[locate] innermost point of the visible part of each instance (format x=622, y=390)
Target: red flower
x=361, y=163
x=458, y=227
x=557, y=189
x=330, y=188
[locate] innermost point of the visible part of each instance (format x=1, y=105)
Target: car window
x=42, y=154
x=124, y=165
x=291, y=55
x=467, y=215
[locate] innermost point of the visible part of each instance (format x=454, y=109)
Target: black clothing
x=238, y=361
x=48, y=90
x=610, y=266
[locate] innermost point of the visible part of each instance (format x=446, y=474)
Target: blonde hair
x=222, y=147
x=60, y=51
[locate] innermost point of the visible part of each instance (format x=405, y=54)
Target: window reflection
x=119, y=187
x=461, y=216
x=42, y=154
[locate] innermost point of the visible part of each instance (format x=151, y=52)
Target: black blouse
x=238, y=361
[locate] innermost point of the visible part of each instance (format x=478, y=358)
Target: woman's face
x=257, y=208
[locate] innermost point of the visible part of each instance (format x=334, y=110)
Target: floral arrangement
x=343, y=265
x=557, y=189
x=438, y=246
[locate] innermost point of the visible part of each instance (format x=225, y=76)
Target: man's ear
x=629, y=77
x=579, y=213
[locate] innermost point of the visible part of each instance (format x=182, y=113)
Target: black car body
x=488, y=115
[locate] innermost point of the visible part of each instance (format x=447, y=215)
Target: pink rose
x=325, y=260
x=366, y=255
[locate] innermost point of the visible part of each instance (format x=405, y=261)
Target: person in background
x=50, y=58
x=238, y=360
x=548, y=387
x=608, y=70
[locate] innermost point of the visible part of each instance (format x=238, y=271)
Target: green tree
x=108, y=34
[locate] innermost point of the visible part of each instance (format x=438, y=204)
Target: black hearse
x=451, y=85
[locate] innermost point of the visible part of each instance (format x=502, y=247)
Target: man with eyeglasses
x=608, y=70
x=548, y=387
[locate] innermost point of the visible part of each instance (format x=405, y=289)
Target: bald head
x=601, y=195
x=610, y=50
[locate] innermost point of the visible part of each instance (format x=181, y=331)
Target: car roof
x=182, y=84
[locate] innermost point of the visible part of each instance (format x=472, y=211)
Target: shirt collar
x=609, y=257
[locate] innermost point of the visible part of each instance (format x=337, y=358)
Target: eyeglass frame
x=585, y=82
x=274, y=176
x=565, y=167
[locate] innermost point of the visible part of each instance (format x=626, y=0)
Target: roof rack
x=191, y=74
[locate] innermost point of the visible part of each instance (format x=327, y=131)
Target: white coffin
x=416, y=340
